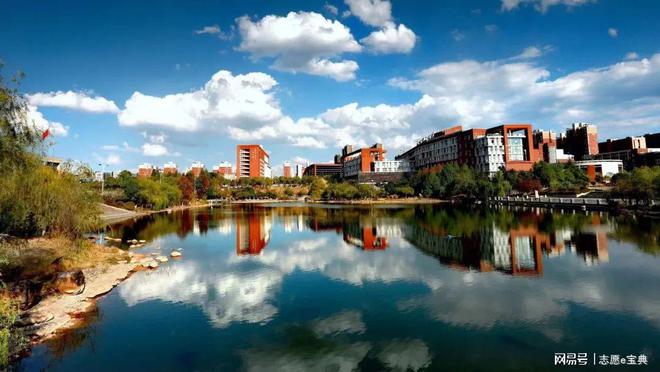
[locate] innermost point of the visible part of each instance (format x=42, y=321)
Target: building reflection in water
x=253, y=230
x=516, y=251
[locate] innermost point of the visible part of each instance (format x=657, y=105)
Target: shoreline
x=56, y=314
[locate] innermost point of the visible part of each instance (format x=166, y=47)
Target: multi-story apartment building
x=286, y=169
x=169, y=169
x=252, y=161
x=581, y=141
x=145, y=170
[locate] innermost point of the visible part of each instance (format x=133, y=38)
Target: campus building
x=368, y=164
x=632, y=151
x=323, y=169
x=252, y=161
x=581, y=141
x=286, y=169
x=298, y=170
x=508, y=146
x=224, y=169
x=145, y=170
x=169, y=169
x=196, y=168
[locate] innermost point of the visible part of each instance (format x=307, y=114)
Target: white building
x=298, y=170
x=388, y=166
x=603, y=168
x=489, y=153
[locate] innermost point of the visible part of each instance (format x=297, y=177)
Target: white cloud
x=78, y=101
x=457, y=35
x=110, y=159
x=301, y=42
x=631, y=56
x=214, y=30
x=542, y=5
x=331, y=9
x=223, y=102
x=490, y=28
x=485, y=93
x=391, y=39
x=613, y=32
x=531, y=52
x=110, y=147
x=39, y=123
x=153, y=149
x=371, y=12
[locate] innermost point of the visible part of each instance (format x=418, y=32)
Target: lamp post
x=102, y=178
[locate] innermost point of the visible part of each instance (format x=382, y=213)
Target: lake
x=295, y=287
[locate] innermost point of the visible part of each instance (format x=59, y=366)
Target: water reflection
x=304, y=287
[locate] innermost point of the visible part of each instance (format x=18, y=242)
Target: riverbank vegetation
x=35, y=201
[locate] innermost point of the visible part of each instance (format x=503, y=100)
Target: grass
x=25, y=259
x=10, y=340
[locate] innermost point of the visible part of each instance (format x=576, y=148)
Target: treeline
x=162, y=191
x=451, y=181
x=641, y=183
x=35, y=199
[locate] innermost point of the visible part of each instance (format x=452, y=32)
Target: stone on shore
x=175, y=254
x=70, y=282
x=161, y=259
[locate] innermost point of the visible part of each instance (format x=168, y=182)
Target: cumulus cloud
x=78, y=101
x=391, y=39
x=542, y=5
x=484, y=93
x=39, y=123
x=154, y=149
x=371, y=12
x=304, y=42
x=223, y=102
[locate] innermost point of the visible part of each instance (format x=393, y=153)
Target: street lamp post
x=102, y=179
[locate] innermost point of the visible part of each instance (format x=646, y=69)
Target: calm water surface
x=296, y=287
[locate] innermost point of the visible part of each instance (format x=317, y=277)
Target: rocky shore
x=65, y=308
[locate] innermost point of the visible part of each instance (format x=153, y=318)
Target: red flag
x=45, y=134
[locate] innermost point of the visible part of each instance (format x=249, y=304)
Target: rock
x=142, y=241
x=70, y=282
x=35, y=317
x=132, y=246
x=152, y=264
x=175, y=254
x=161, y=259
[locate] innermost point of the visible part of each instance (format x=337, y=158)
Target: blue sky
x=127, y=82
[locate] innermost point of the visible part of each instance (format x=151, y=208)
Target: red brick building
x=145, y=170
x=169, y=169
x=224, y=169
x=581, y=141
x=252, y=161
x=286, y=169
